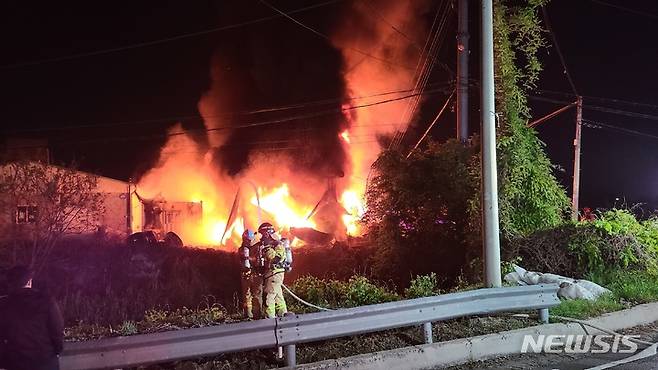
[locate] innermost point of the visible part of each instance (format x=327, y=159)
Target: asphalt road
x=572, y=361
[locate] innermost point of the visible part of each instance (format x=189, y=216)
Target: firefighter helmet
x=266, y=228
x=248, y=234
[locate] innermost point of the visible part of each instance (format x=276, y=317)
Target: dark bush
x=103, y=282
x=614, y=241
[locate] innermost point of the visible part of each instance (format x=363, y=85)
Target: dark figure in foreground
x=31, y=326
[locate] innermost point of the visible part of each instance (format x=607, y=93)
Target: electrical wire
x=317, y=114
x=621, y=112
x=597, y=124
x=610, y=100
x=549, y=100
x=415, y=44
x=379, y=15
x=557, y=48
x=421, y=80
x=322, y=35
x=426, y=72
x=252, y=112
x=600, y=108
x=432, y=124
x=163, y=40
x=418, y=63
x=634, y=11
x=619, y=101
x=437, y=39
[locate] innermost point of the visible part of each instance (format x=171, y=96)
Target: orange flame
x=287, y=197
x=283, y=208
x=345, y=135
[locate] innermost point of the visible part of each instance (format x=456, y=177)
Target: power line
x=418, y=63
x=255, y=124
x=621, y=112
x=618, y=101
x=182, y=118
x=548, y=100
x=163, y=40
x=600, y=108
x=634, y=11
x=383, y=19
x=415, y=44
x=322, y=35
x=597, y=124
x=611, y=100
x=426, y=70
x=557, y=48
x=432, y=124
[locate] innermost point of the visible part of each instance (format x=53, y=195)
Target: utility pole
x=576, y=159
x=490, y=223
x=462, y=71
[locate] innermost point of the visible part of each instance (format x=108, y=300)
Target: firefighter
x=246, y=273
x=274, y=256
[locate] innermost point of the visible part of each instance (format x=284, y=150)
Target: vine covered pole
x=576, y=159
x=491, y=237
x=462, y=71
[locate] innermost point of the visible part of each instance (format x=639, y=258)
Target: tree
x=41, y=204
x=424, y=213
x=419, y=211
x=531, y=198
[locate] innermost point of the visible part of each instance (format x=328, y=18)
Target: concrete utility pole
x=462, y=71
x=576, y=159
x=490, y=227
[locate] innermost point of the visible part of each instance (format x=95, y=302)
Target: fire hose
x=303, y=301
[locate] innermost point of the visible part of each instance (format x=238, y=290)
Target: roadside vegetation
x=616, y=250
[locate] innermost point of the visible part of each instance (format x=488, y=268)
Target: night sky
x=120, y=104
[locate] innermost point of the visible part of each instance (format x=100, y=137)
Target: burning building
x=289, y=136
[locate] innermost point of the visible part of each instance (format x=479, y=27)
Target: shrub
x=331, y=293
x=422, y=286
x=361, y=292
x=547, y=251
x=615, y=241
x=127, y=328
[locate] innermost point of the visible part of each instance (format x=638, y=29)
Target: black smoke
x=278, y=63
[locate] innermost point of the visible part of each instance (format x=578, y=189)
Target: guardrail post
x=427, y=331
x=543, y=315
x=291, y=356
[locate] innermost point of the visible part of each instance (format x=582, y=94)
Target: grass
x=582, y=308
x=627, y=288
x=633, y=286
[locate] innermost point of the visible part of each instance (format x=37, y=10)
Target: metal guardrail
x=287, y=331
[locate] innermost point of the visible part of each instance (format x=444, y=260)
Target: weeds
x=422, y=286
x=582, y=308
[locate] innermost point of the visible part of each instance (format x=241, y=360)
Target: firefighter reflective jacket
x=275, y=256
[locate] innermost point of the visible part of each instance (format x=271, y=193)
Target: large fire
x=271, y=188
